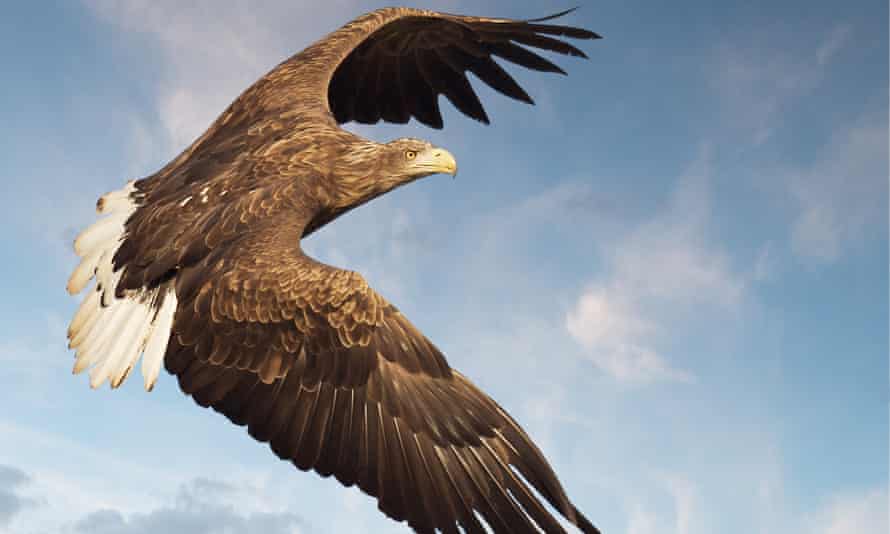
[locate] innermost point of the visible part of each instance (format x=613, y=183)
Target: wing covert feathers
x=313, y=361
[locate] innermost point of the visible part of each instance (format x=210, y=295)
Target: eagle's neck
x=364, y=172
x=354, y=176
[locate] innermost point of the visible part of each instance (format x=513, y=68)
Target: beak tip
x=440, y=160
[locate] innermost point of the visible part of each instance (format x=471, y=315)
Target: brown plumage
x=199, y=267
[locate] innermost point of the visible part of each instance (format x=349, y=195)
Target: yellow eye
x=410, y=154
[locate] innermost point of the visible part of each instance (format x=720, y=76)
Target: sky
x=673, y=270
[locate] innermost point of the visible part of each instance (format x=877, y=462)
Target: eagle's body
x=198, y=267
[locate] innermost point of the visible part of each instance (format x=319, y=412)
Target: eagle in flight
x=199, y=268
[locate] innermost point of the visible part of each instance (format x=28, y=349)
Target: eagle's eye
x=410, y=154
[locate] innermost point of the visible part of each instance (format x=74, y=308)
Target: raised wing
x=393, y=64
x=336, y=379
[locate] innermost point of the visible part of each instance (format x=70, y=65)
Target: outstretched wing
x=393, y=64
x=336, y=379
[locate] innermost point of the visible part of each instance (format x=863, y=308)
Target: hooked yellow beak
x=435, y=160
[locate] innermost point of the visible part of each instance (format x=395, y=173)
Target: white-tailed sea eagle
x=198, y=268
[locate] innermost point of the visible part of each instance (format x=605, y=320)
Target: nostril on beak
x=437, y=153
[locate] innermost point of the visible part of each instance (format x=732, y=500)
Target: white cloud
x=684, y=494
x=211, y=51
x=854, y=513
x=600, y=316
x=843, y=195
x=664, y=261
x=607, y=327
x=765, y=266
x=680, y=517
x=758, y=80
x=641, y=522
x=836, y=40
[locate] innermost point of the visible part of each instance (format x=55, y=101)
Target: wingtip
x=584, y=33
x=553, y=16
x=583, y=523
x=577, y=33
x=483, y=118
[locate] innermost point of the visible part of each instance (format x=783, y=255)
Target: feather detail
x=120, y=200
x=98, y=234
x=104, y=355
x=83, y=318
x=84, y=271
x=156, y=345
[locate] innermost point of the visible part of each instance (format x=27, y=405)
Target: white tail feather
x=80, y=364
x=137, y=331
x=84, y=272
x=105, y=354
x=90, y=349
x=88, y=309
x=79, y=337
x=111, y=333
x=100, y=232
x=117, y=356
x=157, y=342
x=117, y=200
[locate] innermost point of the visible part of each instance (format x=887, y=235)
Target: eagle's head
x=364, y=170
x=408, y=159
x=367, y=169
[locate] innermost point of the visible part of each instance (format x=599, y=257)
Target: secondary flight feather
x=198, y=268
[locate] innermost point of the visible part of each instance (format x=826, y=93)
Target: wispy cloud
x=843, y=196
x=641, y=521
x=608, y=329
x=854, y=513
x=685, y=496
x=679, y=517
x=211, y=51
x=765, y=266
x=756, y=82
x=836, y=40
x=665, y=261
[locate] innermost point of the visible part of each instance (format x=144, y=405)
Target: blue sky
x=672, y=270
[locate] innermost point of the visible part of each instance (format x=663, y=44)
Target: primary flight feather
x=199, y=269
